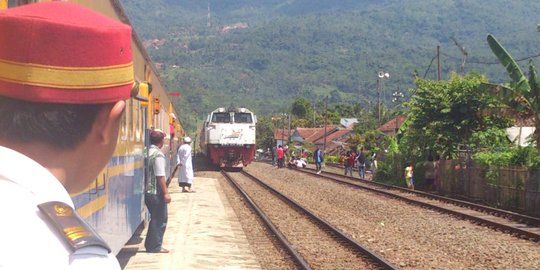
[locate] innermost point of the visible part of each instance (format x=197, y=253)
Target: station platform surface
x=203, y=232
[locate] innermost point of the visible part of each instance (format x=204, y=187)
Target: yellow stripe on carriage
x=93, y=206
x=110, y=172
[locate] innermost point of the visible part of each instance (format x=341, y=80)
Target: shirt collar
x=30, y=175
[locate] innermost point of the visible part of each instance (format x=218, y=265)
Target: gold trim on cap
x=66, y=77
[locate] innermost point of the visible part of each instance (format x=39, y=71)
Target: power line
x=430, y=63
x=491, y=63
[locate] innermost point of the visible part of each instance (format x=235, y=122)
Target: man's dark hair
x=156, y=137
x=61, y=125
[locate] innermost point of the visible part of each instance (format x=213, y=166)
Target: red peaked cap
x=59, y=52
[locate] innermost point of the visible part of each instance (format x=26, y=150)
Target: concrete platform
x=203, y=232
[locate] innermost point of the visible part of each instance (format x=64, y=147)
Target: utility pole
x=438, y=62
x=325, y=117
x=464, y=55
x=379, y=101
x=289, y=139
x=313, y=104
x=282, y=130
x=380, y=77
x=208, y=24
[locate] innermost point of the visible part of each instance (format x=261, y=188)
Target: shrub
x=518, y=156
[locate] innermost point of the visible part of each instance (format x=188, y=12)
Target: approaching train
x=114, y=203
x=228, y=137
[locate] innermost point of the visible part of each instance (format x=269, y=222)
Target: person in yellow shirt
x=409, y=172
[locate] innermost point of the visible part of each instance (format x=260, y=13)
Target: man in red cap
x=65, y=73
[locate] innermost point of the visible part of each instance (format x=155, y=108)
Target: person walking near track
x=409, y=175
x=318, y=158
x=157, y=194
x=351, y=159
x=361, y=163
x=184, y=160
x=65, y=73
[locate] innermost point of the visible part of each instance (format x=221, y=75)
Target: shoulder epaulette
x=77, y=233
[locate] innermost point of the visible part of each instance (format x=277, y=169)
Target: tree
x=522, y=95
x=265, y=133
x=444, y=114
x=301, y=108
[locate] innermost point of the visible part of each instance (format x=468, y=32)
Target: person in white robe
x=183, y=158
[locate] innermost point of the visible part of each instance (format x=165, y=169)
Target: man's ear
x=108, y=122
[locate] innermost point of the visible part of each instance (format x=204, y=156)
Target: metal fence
x=513, y=188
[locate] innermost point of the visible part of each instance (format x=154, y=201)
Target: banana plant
x=522, y=95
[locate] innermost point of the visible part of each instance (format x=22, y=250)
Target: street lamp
x=397, y=95
x=380, y=77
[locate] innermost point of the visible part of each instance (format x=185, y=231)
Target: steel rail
x=529, y=220
x=299, y=259
x=380, y=188
x=380, y=261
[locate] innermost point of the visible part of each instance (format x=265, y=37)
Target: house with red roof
x=391, y=127
x=335, y=137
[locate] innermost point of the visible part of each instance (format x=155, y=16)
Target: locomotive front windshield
x=221, y=118
x=242, y=118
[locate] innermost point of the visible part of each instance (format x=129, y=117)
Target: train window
x=221, y=118
x=138, y=117
x=242, y=118
x=131, y=119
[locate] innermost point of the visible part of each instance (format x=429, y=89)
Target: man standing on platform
x=157, y=194
x=65, y=73
x=185, y=179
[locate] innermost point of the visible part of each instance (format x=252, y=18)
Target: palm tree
x=522, y=95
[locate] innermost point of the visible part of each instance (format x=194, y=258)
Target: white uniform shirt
x=159, y=165
x=27, y=241
x=184, y=160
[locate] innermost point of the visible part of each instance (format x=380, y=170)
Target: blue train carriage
x=114, y=202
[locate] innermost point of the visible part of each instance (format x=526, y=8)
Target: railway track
x=519, y=225
x=310, y=240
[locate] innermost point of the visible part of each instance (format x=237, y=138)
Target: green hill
x=276, y=50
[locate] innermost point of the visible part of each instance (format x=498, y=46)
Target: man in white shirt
x=156, y=195
x=66, y=73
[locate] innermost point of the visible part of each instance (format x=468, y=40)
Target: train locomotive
x=228, y=137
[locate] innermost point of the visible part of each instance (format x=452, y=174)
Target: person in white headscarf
x=183, y=158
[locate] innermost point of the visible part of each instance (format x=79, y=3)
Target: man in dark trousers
x=361, y=163
x=157, y=195
x=318, y=158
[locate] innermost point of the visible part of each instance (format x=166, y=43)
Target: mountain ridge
x=318, y=48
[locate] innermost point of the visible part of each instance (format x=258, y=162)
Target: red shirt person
x=280, y=156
